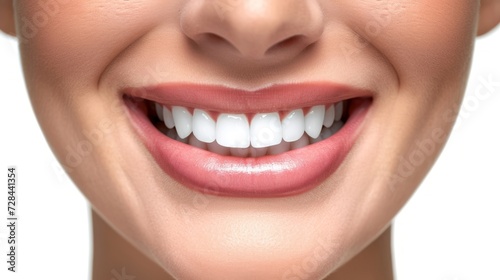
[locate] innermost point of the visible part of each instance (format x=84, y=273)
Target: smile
x=278, y=141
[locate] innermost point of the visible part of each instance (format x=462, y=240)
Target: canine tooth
x=302, y=142
x=279, y=149
x=314, y=120
x=329, y=116
x=232, y=131
x=182, y=120
x=214, y=147
x=159, y=111
x=168, y=119
x=339, y=109
x=203, y=126
x=293, y=125
x=265, y=130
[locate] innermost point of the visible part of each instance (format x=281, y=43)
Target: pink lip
x=289, y=173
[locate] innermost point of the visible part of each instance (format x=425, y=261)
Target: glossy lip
x=285, y=174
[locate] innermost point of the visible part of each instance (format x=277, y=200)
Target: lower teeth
x=283, y=147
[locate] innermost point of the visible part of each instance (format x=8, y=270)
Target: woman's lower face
x=231, y=137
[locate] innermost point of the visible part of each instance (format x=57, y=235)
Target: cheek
x=74, y=41
x=420, y=38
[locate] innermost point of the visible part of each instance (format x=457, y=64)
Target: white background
x=449, y=230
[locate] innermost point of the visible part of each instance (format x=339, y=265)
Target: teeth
x=266, y=134
x=337, y=126
x=203, y=126
x=279, y=149
x=159, y=111
x=314, y=120
x=167, y=117
x=258, y=152
x=218, y=149
x=301, y=143
x=233, y=130
x=265, y=130
x=329, y=116
x=183, y=121
x=193, y=141
x=239, y=152
x=339, y=110
x=293, y=125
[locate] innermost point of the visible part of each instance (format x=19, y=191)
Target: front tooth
x=279, y=149
x=233, y=131
x=314, y=120
x=159, y=111
x=218, y=149
x=329, y=116
x=339, y=109
x=258, y=152
x=182, y=120
x=239, y=152
x=265, y=130
x=203, y=126
x=168, y=119
x=293, y=125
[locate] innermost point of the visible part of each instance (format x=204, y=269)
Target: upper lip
x=224, y=99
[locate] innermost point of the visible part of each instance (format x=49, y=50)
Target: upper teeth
x=264, y=130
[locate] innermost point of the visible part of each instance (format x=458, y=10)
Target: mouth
x=278, y=141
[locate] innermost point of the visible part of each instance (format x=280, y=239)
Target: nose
x=252, y=29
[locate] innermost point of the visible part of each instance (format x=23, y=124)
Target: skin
x=415, y=56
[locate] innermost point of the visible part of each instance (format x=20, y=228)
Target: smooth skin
x=415, y=56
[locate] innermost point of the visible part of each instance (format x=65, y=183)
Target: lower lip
x=290, y=173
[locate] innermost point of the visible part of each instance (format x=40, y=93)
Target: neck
x=115, y=258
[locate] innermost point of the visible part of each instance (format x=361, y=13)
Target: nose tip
x=253, y=29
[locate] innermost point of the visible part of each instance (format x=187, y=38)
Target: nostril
x=214, y=40
x=286, y=43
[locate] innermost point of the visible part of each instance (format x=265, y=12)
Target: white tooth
x=239, y=152
x=182, y=120
x=218, y=149
x=279, y=149
x=172, y=134
x=314, y=120
x=337, y=126
x=329, y=116
x=258, y=152
x=233, y=131
x=168, y=118
x=183, y=140
x=193, y=141
x=302, y=142
x=265, y=130
x=159, y=111
x=293, y=125
x=339, y=109
x=203, y=126
x=325, y=133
